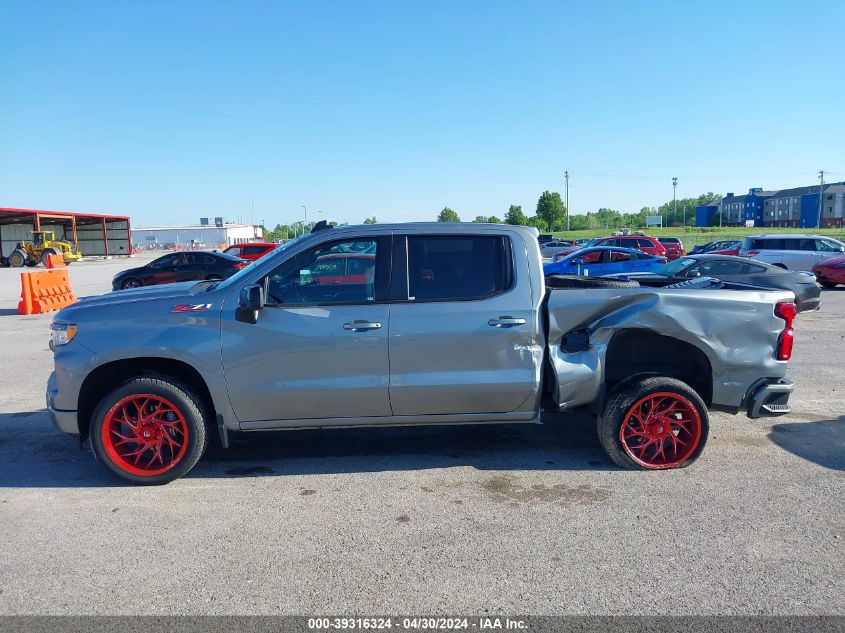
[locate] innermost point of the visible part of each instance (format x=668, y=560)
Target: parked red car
x=830, y=272
x=643, y=243
x=674, y=247
x=345, y=268
x=251, y=250
x=733, y=250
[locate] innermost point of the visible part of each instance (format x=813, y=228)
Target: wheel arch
x=107, y=376
x=633, y=354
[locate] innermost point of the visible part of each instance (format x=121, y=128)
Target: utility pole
x=821, y=196
x=306, y=219
x=674, y=198
x=566, y=197
x=252, y=219
x=685, y=215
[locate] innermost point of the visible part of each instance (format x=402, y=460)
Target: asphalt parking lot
x=504, y=519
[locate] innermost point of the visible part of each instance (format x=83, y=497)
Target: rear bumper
x=770, y=399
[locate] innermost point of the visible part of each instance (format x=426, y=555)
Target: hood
x=184, y=292
x=130, y=271
x=831, y=261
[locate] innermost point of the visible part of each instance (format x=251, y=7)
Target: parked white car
x=793, y=252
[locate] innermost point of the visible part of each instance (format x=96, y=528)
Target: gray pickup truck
x=410, y=324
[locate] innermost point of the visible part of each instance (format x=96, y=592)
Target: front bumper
x=770, y=399
x=65, y=421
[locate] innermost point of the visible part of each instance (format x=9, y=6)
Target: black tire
x=827, y=284
x=185, y=402
x=31, y=264
x=130, y=283
x=46, y=253
x=620, y=403
x=574, y=281
x=17, y=259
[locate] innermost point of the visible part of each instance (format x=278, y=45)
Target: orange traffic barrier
x=55, y=261
x=45, y=291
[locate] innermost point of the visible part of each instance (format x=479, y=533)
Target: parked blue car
x=604, y=260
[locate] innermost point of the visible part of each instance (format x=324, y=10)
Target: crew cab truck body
x=451, y=324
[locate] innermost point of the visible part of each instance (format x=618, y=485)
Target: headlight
x=61, y=333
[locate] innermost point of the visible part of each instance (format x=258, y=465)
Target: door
x=463, y=332
x=164, y=270
x=318, y=350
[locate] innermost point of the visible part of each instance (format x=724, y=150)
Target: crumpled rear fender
x=736, y=330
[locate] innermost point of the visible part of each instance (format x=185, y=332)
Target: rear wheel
x=46, y=253
x=656, y=423
x=149, y=430
x=17, y=259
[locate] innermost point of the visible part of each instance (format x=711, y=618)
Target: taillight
x=786, y=310
x=752, y=253
x=240, y=265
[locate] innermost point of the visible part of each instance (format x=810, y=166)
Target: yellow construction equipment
x=43, y=244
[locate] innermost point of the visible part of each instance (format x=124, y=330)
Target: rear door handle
x=505, y=321
x=361, y=325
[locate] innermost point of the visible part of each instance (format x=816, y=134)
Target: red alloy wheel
x=661, y=430
x=145, y=435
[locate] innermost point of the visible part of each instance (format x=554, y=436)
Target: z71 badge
x=191, y=307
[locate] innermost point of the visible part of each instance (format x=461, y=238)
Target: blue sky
x=170, y=111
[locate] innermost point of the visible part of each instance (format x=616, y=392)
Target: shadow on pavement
x=34, y=454
x=821, y=442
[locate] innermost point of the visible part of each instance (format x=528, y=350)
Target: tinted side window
x=319, y=276
x=208, y=259
x=620, y=256
x=457, y=268
x=641, y=243
x=167, y=260
x=774, y=244
x=235, y=251
x=752, y=269
x=828, y=247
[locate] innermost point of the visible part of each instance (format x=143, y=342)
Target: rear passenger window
x=644, y=244
x=620, y=256
x=752, y=269
x=774, y=244
x=458, y=268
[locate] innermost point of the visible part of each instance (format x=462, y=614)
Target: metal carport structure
x=95, y=234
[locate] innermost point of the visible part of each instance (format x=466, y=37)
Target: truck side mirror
x=250, y=301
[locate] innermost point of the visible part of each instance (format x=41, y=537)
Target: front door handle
x=361, y=325
x=505, y=321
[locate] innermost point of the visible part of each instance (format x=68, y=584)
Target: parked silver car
x=793, y=252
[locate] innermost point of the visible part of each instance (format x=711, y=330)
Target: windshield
x=246, y=269
x=674, y=268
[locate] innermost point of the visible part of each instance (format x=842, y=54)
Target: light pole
x=821, y=195
x=674, y=198
x=306, y=218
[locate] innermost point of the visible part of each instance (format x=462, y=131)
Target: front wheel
x=655, y=423
x=17, y=259
x=130, y=283
x=149, y=430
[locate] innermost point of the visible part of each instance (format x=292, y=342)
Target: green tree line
x=550, y=214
